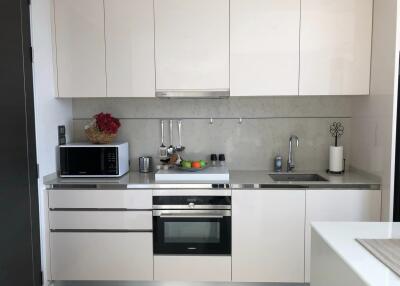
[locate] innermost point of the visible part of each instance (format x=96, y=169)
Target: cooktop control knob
x=191, y=205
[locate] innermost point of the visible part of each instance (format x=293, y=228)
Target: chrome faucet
x=290, y=162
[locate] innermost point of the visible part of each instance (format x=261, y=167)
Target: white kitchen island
x=338, y=259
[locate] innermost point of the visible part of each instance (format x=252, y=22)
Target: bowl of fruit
x=192, y=166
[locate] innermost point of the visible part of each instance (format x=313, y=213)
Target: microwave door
x=81, y=161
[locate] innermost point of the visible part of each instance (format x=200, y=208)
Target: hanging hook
x=211, y=121
x=240, y=120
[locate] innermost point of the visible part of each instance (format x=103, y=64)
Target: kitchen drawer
x=112, y=220
x=192, y=268
x=101, y=256
x=100, y=199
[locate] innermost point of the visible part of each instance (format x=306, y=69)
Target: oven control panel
x=192, y=202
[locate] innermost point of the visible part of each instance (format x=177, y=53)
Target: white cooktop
x=211, y=174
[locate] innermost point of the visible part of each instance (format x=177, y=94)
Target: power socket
x=61, y=135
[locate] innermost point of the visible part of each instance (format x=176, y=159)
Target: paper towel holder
x=337, y=161
x=338, y=173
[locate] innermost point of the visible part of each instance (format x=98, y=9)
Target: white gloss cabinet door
x=79, y=34
x=192, y=44
x=129, y=32
x=339, y=205
x=101, y=199
x=335, y=47
x=268, y=235
x=205, y=268
x=101, y=256
x=264, y=47
x=105, y=220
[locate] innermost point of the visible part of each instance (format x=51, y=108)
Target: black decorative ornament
x=336, y=130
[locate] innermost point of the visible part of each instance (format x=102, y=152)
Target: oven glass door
x=192, y=232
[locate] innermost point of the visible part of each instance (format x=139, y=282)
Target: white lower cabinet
x=101, y=199
x=105, y=220
x=101, y=256
x=268, y=235
x=192, y=268
x=339, y=205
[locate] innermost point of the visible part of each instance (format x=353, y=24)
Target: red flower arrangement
x=103, y=128
x=106, y=123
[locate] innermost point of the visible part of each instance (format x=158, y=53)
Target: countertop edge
x=238, y=180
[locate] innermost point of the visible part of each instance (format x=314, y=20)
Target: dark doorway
x=19, y=216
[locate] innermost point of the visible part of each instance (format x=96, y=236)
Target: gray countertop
x=238, y=180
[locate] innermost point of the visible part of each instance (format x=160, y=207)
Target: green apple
x=186, y=164
x=203, y=163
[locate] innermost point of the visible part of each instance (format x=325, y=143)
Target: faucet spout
x=290, y=163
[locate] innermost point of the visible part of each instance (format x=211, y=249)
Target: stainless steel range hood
x=213, y=94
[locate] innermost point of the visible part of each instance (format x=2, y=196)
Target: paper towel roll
x=336, y=159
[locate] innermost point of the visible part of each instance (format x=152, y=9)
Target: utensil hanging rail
x=227, y=118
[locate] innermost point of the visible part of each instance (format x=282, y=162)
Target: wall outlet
x=61, y=135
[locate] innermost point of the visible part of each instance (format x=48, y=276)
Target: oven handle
x=191, y=214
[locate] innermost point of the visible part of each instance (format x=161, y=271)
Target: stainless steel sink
x=297, y=178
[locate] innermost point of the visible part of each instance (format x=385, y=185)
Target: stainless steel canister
x=145, y=164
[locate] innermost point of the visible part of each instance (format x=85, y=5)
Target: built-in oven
x=192, y=225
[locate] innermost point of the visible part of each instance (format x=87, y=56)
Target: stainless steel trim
x=165, y=189
x=97, y=210
x=216, y=94
x=166, y=255
x=83, y=186
x=101, y=230
x=191, y=213
x=327, y=186
x=195, y=207
x=92, y=176
x=83, y=144
x=180, y=186
x=191, y=216
x=268, y=186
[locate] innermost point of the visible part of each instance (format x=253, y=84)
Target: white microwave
x=92, y=160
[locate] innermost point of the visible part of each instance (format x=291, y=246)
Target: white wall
x=373, y=122
x=49, y=111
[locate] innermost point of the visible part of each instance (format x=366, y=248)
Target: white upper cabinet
x=192, y=44
x=335, y=47
x=264, y=47
x=129, y=32
x=81, y=67
x=131, y=48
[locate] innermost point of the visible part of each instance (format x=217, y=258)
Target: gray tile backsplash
x=251, y=145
